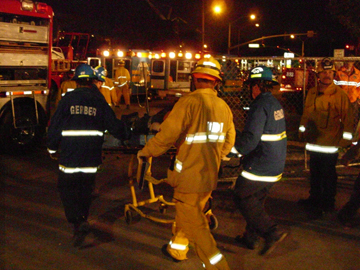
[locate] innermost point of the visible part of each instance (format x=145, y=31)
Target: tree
x=347, y=12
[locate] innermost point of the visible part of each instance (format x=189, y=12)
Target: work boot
x=248, y=240
x=328, y=207
x=272, y=240
x=164, y=250
x=346, y=215
x=80, y=232
x=309, y=202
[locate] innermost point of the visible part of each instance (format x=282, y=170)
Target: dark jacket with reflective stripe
x=76, y=127
x=263, y=140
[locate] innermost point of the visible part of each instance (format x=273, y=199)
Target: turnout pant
x=323, y=179
x=75, y=193
x=123, y=91
x=192, y=225
x=249, y=197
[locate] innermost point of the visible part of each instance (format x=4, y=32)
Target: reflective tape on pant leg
x=177, y=246
x=216, y=258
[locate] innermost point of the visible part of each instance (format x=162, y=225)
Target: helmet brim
x=205, y=76
x=273, y=82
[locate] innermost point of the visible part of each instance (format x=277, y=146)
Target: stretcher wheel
x=128, y=216
x=213, y=222
x=162, y=208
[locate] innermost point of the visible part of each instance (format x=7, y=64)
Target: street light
x=217, y=9
x=302, y=44
x=252, y=17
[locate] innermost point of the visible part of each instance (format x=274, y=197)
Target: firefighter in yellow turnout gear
x=66, y=86
x=122, y=82
x=326, y=125
x=107, y=87
x=201, y=127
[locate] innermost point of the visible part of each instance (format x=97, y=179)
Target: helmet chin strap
x=192, y=84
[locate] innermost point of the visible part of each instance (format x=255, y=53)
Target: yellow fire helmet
x=207, y=68
x=325, y=64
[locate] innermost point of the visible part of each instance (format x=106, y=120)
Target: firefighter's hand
x=141, y=156
x=226, y=158
x=54, y=156
x=350, y=155
x=301, y=136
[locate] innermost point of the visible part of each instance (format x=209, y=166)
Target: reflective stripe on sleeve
x=78, y=169
x=234, y=151
x=69, y=133
x=255, y=177
x=273, y=137
x=302, y=128
x=347, y=135
x=321, y=148
x=178, y=166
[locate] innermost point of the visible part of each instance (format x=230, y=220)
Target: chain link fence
x=296, y=76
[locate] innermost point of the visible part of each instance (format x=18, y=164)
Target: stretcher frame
x=130, y=208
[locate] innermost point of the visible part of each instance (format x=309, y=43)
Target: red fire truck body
x=25, y=71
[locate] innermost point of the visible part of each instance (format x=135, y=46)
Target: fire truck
x=153, y=73
x=170, y=72
x=25, y=71
x=292, y=79
x=70, y=50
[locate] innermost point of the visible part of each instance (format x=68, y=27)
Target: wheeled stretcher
x=144, y=176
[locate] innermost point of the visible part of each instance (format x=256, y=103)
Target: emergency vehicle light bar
x=27, y=5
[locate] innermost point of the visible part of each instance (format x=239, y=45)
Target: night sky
x=134, y=24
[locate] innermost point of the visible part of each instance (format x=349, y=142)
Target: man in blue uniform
x=76, y=131
x=263, y=145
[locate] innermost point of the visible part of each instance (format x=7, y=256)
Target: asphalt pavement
x=35, y=234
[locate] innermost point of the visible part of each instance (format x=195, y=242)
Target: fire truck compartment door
x=158, y=83
x=23, y=33
x=23, y=59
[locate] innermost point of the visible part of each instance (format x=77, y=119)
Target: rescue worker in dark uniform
x=201, y=127
x=262, y=144
x=76, y=131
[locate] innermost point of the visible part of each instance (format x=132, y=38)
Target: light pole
x=302, y=45
x=217, y=9
x=252, y=17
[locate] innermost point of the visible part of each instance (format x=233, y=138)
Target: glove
x=54, y=156
x=141, y=156
x=350, y=155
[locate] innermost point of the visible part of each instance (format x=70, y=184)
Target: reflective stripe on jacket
x=107, y=90
x=327, y=121
x=349, y=83
x=263, y=140
x=201, y=127
x=122, y=77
